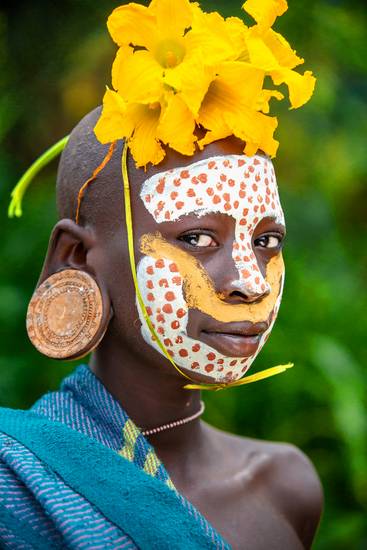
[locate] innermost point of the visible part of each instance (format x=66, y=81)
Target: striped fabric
x=34, y=495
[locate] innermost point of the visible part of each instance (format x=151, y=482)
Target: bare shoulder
x=285, y=476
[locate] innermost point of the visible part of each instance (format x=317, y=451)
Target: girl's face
x=212, y=273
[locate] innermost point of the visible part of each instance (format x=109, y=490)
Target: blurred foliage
x=55, y=60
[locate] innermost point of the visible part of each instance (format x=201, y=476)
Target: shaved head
x=102, y=204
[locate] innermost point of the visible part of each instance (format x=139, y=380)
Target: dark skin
x=258, y=495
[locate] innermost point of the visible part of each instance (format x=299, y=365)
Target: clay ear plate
x=65, y=314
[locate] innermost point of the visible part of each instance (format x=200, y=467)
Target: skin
x=257, y=494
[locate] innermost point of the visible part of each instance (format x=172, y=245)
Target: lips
x=234, y=339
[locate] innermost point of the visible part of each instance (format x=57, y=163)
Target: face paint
x=172, y=281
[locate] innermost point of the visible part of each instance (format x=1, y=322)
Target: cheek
x=160, y=285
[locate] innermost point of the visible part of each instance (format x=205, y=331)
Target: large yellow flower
x=178, y=67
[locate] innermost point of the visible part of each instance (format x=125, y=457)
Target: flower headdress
x=177, y=70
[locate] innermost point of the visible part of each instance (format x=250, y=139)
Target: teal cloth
x=142, y=506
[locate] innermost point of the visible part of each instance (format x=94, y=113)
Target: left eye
x=268, y=241
x=199, y=240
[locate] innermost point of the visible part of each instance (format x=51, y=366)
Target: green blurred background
x=55, y=60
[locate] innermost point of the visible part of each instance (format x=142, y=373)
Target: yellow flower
x=178, y=67
x=145, y=126
x=156, y=53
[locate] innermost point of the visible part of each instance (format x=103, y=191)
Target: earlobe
x=70, y=310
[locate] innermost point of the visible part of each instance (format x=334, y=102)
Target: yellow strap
x=130, y=240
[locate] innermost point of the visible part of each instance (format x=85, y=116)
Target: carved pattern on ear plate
x=65, y=315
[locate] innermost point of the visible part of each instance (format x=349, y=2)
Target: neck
x=152, y=395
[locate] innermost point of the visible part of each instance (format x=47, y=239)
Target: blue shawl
x=77, y=448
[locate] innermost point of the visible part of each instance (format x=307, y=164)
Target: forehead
x=231, y=184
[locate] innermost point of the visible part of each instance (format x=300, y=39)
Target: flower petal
x=113, y=123
x=264, y=98
x=176, y=127
x=172, y=16
x=132, y=24
x=144, y=144
x=190, y=79
x=255, y=129
x=137, y=76
x=265, y=12
x=281, y=49
x=301, y=87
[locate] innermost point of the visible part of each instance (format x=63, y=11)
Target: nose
x=245, y=285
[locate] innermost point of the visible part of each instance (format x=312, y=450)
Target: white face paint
x=242, y=187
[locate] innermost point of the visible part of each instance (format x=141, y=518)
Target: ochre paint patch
x=199, y=289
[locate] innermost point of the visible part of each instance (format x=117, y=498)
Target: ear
x=68, y=248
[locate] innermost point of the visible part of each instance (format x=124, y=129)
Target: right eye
x=199, y=240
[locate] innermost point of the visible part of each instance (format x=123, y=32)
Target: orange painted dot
x=263, y=287
x=167, y=215
x=256, y=220
x=160, y=318
x=170, y=352
x=236, y=204
x=170, y=296
x=227, y=206
x=179, y=340
x=247, y=174
x=163, y=283
x=147, y=198
x=183, y=353
x=173, y=268
x=262, y=209
x=236, y=246
x=231, y=182
x=167, y=342
x=190, y=193
x=161, y=185
x=220, y=361
x=195, y=365
x=210, y=191
x=246, y=259
x=177, y=182
x=174, y=195
x=203, y=178
x=181, y=313
x=194, y=180
x=217, y=199
x=251, y=169
x=160, y=330
x=273, y=205
x=256, y=162
x=150, y=297
x=160, y=206
x=254, y=266
x=219, y=186
x=242, y=194
x=267, y=200
x=242, y=236
x=226, y=163
x=259, y=199
x=243, y=221
x=176, y=280
x=245, y=273
x=256, y=208
x=241, y=162
x=167, y=308
x=209, y=368
x=175, y=325
x=257, y=280
x=159, y=263
x=211, y=164
x=185, y=174
x=199, y=202
x=179, y=205
x=150, y=270
x=257, y=177
x=254, y=187
x=150, y=284
x=226, y=197
x=149, y=311
x=211, y=356
x=196, y=347
x=223, y=177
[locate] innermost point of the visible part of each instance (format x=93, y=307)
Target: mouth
x=235, y=339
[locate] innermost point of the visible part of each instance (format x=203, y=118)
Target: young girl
x=166, y=264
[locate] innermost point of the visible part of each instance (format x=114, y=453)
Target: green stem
x=15, y=206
